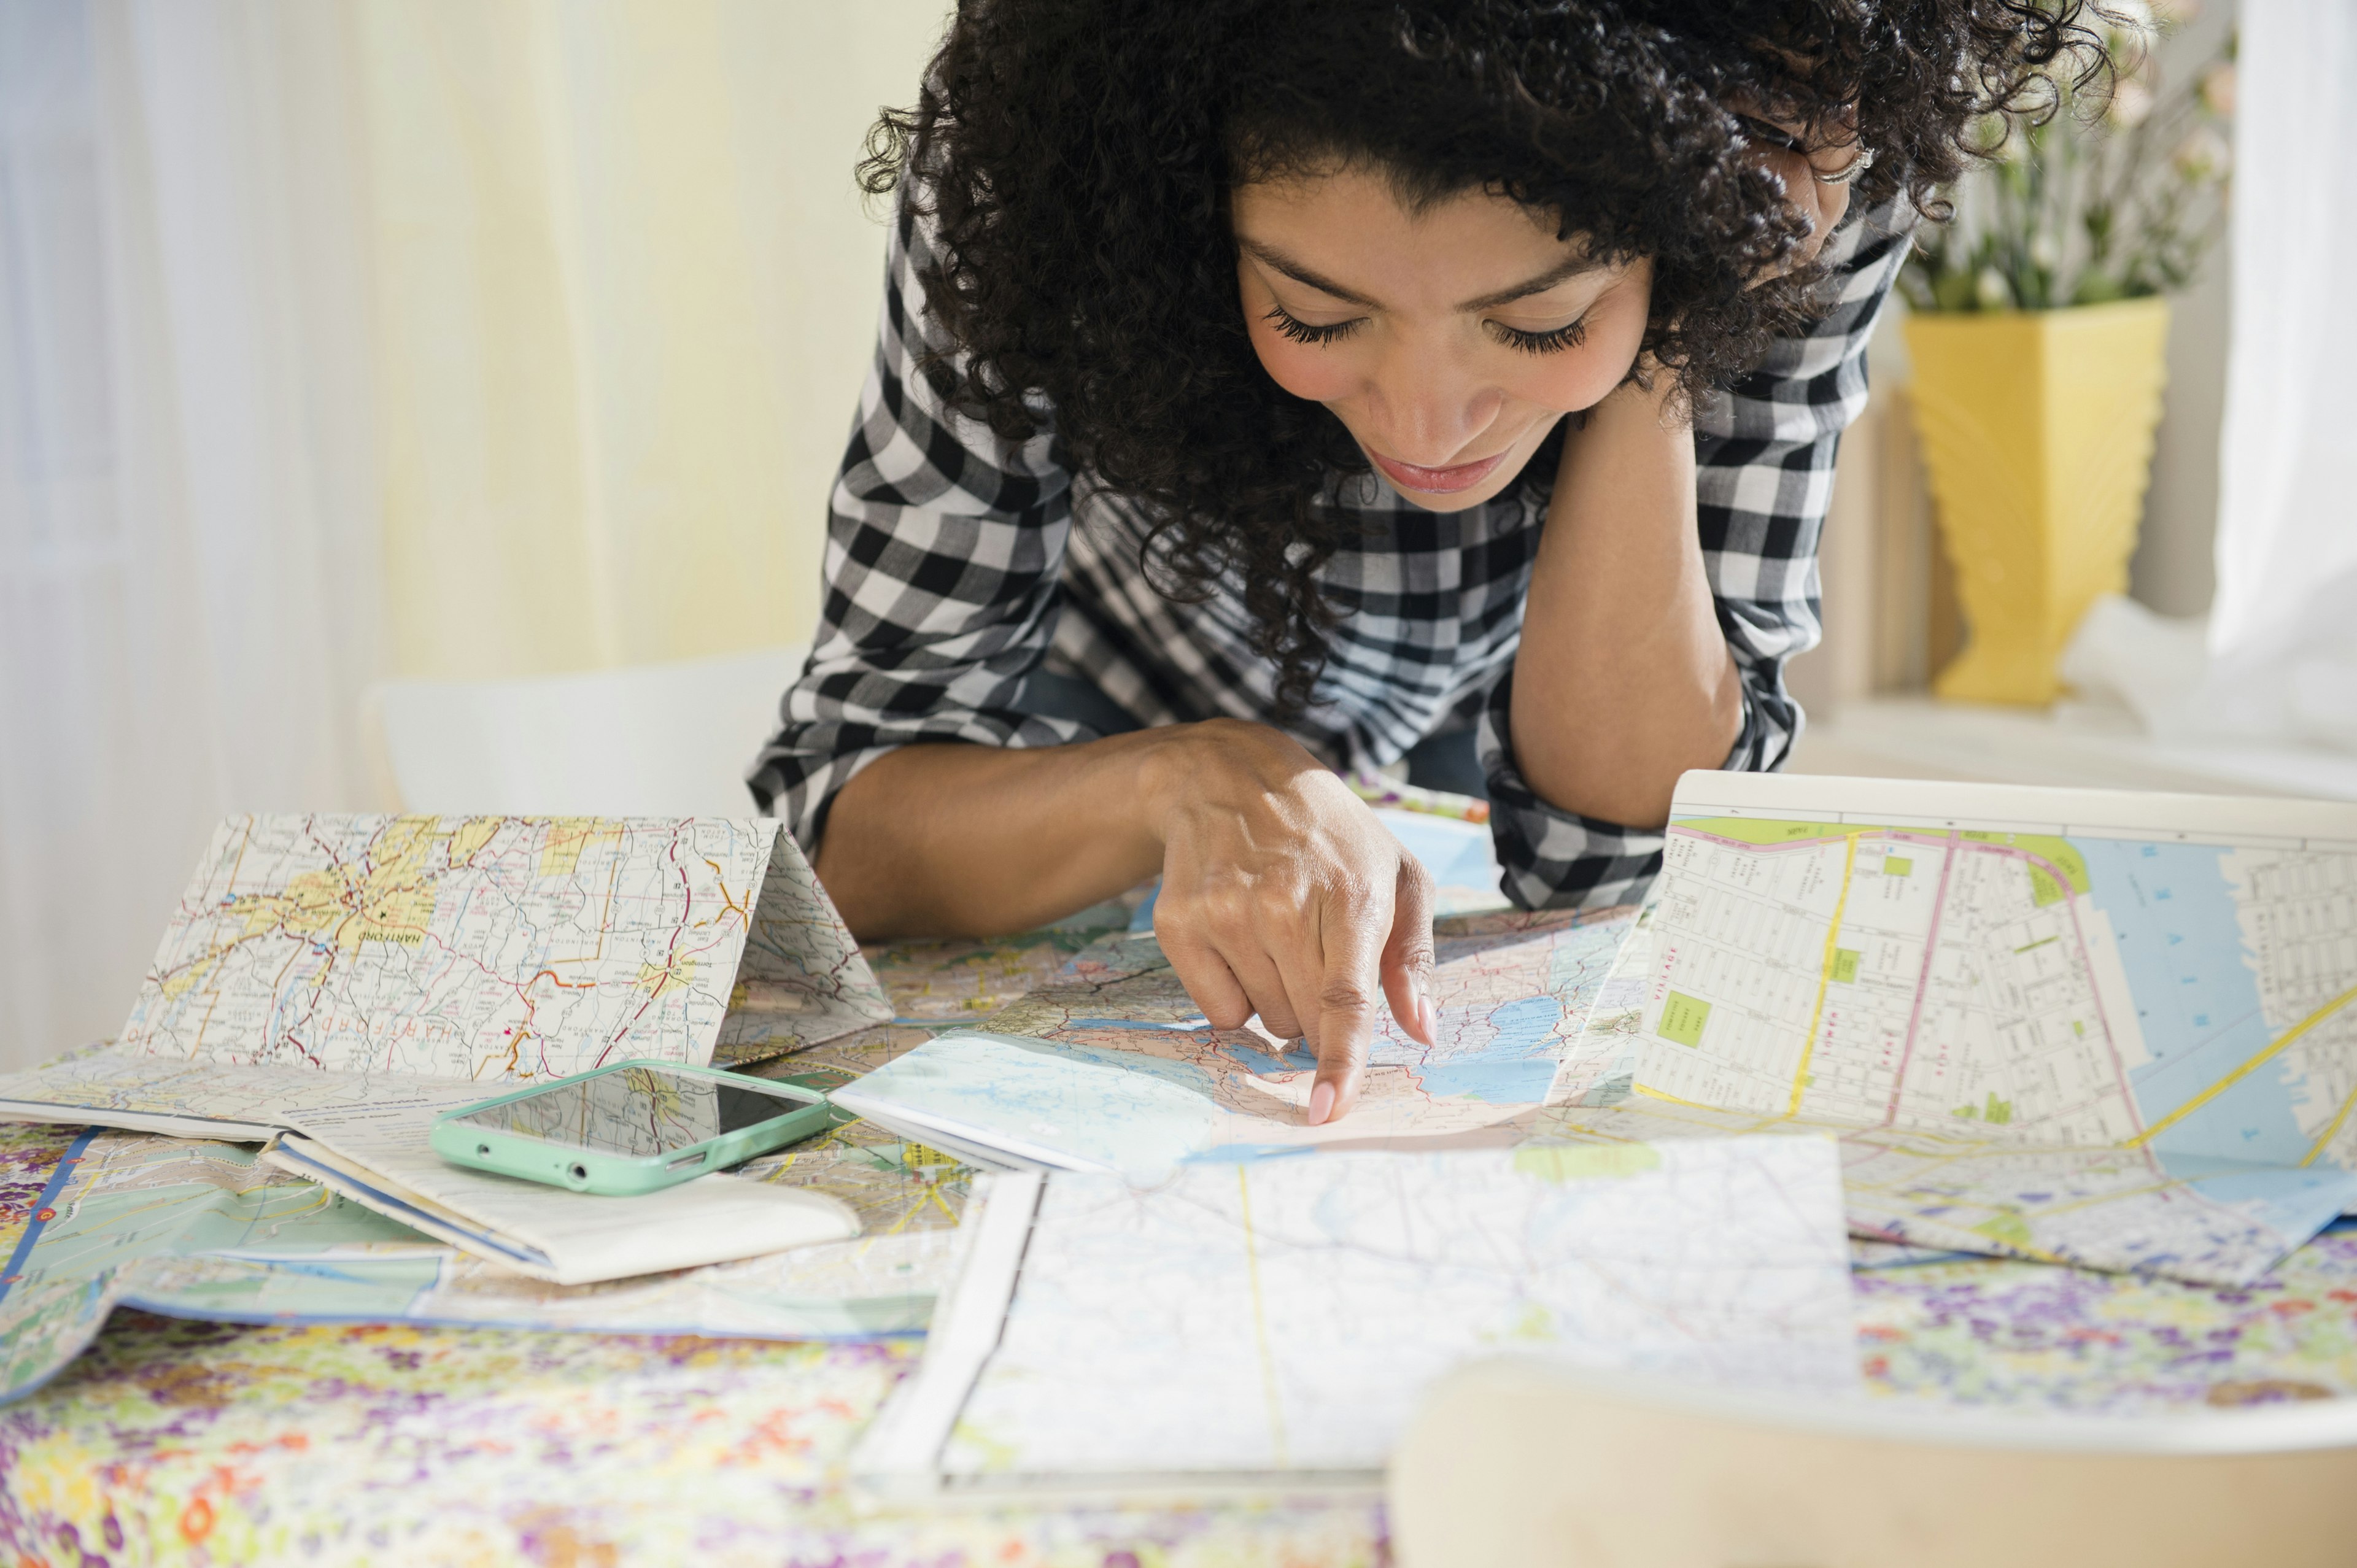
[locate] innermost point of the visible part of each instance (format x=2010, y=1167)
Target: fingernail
x=1423, y=1014
x=1321, y=1103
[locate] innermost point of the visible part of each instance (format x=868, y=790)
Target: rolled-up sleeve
x=1764, y=455
x=945, y=545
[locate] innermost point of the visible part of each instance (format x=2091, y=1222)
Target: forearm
x=954, y=840
x=1623, y=680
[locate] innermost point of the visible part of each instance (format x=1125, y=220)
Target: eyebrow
x=1546, y=280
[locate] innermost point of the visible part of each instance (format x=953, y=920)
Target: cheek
x=1579, y=379
x=1320, y=373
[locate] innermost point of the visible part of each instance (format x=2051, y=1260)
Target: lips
x=1434, y=482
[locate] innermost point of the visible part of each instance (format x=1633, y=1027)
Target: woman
x=1272, y=388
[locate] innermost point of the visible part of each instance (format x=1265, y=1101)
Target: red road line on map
x=1953, y=837
x=1922, y=980
x=2094, y=992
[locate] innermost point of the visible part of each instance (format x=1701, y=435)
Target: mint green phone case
x=517, y=1152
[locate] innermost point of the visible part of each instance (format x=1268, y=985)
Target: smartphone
x=632, y=1127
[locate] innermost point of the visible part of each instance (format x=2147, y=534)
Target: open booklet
x=194, y=1228
x=2112, y=1029
x=344, y=979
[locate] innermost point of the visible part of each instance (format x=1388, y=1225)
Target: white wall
x=2172, y=571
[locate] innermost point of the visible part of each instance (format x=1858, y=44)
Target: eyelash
x=1569, y=336
x=1300, y=331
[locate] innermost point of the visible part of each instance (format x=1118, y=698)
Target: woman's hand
x=1282, y=895
x=1815, y=165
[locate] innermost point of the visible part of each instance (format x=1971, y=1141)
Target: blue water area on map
x=1515, y=1068
x=2197, y=998
x=2293, y=1202
x=1263, y=1065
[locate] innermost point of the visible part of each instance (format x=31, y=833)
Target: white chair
x=1530, y=1462
x=650, y=740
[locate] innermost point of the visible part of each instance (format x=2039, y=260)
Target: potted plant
x=2038, y=329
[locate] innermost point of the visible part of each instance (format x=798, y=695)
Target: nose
x=1427, y=406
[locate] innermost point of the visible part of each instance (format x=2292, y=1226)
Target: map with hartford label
x=2070, y=983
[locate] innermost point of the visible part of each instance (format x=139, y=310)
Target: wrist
x=1661, y=408
x=1216, y=763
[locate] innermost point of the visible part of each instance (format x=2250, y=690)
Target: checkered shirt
x=957, y=562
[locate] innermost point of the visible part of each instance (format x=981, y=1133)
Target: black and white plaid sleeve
x=944, y=548
x=1764, y=476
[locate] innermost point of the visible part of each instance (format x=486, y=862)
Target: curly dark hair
x=1074, y=159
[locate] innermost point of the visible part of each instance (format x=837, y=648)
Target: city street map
x=2095, y=1002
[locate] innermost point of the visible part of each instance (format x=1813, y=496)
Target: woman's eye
x=1568, y=336
x=1301, y=332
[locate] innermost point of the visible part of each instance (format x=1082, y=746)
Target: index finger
x=1350, y=942
x=1407, y=954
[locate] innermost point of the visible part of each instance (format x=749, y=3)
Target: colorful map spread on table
x=1770, y=934
x=491, y=948
x=1114, y=1068
x=171, y=1440
x=1286, y=1316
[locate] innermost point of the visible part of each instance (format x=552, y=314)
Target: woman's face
x=1447, y=342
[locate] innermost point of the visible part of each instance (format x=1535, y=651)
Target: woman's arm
x=1624, y=680
x=1762, y=459
x=1281, y=893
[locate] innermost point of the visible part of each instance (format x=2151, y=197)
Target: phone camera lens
x=580, y=1172
x=482, y=1151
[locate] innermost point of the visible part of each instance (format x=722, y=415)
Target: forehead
x=1351, y=226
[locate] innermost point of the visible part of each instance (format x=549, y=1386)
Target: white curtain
x=2275, y=662
x=2283, y=633
x=189, y=545
x=350, y=338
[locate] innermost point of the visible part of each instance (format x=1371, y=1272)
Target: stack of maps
x=330, y=985
x=2103, y=1030
x=2076, y=1027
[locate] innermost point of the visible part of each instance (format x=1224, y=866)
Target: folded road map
x=346, y=978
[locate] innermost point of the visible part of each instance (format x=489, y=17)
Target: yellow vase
x=2036, y=429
